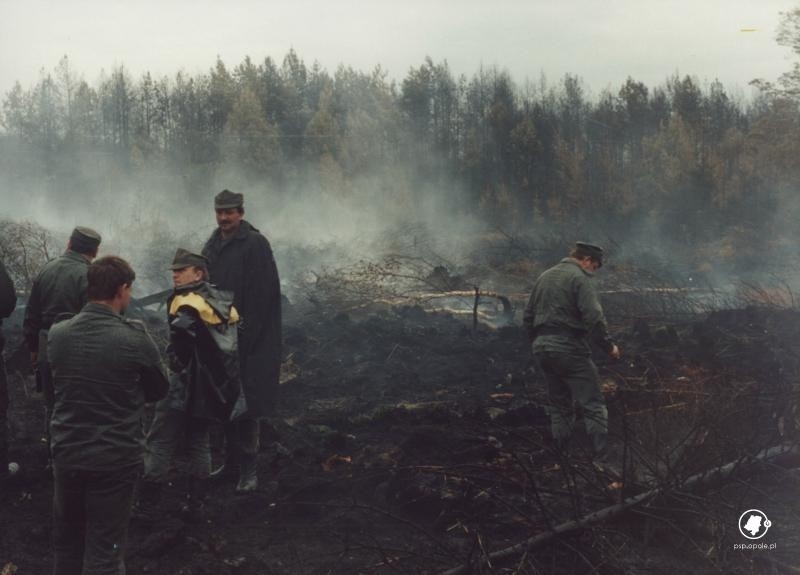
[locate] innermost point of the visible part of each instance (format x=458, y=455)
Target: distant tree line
x=685, y=155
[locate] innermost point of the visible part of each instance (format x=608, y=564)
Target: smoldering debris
x=406, y=440
x=412, y=437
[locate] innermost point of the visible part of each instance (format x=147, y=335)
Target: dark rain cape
x=204, y=353
x=244, y=264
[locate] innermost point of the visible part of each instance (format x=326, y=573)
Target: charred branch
x=705, y=479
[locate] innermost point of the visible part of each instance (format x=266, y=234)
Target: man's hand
x=615, y=353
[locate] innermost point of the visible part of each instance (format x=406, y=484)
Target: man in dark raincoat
x=205, y=385
x=241, y=261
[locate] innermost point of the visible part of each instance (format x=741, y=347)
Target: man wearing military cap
x=190, y=261
x=562, y=313
x=205, y=385
x=59, y=288
x=241, y=261
x=227, y=199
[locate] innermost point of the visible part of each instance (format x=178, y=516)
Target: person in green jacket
x=8, y=300
x=59, y=288
x=562, y=314
x=105, y=368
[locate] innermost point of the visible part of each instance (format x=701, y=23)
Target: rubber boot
x=229, y=470
x=600, y=445
x=561, y=445
x=601, y=459
x=147, y=507
x=248, y=478
x=194, y=507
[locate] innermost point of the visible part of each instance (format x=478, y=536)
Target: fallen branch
x=697, y=480
x=657, y=408
x=508, y=310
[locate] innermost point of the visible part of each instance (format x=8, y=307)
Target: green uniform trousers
x=3, y=414
x=572, y=378
x=91, y=510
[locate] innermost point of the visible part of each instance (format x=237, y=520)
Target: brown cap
x=184, y=258
x=227, y=199
x=84, y=240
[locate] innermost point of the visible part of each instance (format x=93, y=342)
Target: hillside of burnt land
x=405, y=441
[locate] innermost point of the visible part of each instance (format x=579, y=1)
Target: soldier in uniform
x=105, y=368
x=241, y=261
x=60, y=287
x=563, y=311
x=8, y=300
x=205, y=385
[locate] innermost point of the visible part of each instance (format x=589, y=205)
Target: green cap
x=184, y=258
x=593, y=251
x=84, y=240
x=227, y=199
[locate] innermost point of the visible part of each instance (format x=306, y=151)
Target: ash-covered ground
x=405, y=441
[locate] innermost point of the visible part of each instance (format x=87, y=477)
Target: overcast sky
x=603, y=41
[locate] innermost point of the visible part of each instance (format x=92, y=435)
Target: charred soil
x=407, y=442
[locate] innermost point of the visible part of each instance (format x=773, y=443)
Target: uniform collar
x=574, y=262
x=75, y=256
x=245, y=228
x=100, y=308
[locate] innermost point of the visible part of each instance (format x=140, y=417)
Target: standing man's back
x=8, y=300
x=562, y=314
x=104, y=370
x=241, y=261
x=59, y=288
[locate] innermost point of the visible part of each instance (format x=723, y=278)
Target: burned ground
x=407, y=442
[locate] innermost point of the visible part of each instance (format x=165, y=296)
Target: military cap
x=84, y=239
x=591, y=250
x=184, y=258
x=227, y=199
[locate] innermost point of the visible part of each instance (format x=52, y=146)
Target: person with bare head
x=562, y=313
x=205, y=385
x=241, y=261
x=105, y=368
x=60, y=287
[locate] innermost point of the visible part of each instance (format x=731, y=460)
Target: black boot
x=248, y=478
x=147, y=507
x=561, y=445
x=194, y=507
x=602, y=460
x=600, y=445
x=229, y=470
